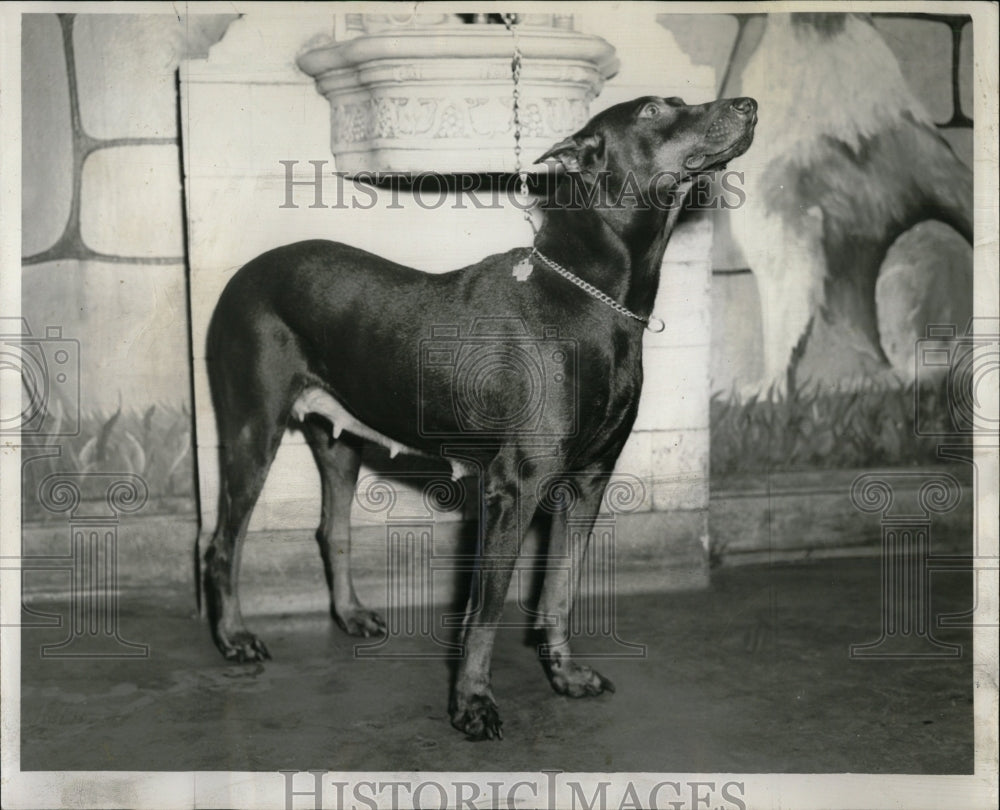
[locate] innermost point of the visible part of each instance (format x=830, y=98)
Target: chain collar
x=652, y=323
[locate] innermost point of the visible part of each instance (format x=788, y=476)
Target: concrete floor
x=751, y=675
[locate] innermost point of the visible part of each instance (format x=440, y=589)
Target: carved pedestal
x=437, y=95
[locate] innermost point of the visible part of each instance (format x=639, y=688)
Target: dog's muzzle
x=731, y=125
x=730, y=133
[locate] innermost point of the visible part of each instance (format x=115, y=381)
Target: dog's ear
x=581, y=154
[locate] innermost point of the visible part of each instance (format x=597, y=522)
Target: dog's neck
x=617, y=249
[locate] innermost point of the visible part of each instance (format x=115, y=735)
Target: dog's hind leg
x=339, y=461
x=254, y=370
x=561, y=588
x=245, y=457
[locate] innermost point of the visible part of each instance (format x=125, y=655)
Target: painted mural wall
x=104, y=243
x=865, y=75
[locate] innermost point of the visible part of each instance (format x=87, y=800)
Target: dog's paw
x=578, y=680
x=477, y=717
x=243, y=646
x=359, y=621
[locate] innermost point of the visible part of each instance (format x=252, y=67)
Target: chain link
x=516, y=64
x=653, y=324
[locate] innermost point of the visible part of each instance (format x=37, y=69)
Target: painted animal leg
x=339, y=461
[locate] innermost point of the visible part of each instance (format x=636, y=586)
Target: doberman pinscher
x=327, y=337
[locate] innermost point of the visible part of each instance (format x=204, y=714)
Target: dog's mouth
x=708, y=161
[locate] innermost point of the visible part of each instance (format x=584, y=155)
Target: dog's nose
x=744, y=105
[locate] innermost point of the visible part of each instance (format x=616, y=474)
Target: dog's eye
x=651, y=110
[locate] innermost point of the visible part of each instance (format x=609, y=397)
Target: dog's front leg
x=508, y=505
x=561, y=587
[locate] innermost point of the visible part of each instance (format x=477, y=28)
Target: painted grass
x=154, y=444
x=868, y=426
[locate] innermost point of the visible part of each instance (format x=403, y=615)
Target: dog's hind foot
x=242, y=646
x=359, y=621
x=477, y=717
x=577, y=680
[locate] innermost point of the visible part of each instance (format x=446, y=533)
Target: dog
x=325, y=337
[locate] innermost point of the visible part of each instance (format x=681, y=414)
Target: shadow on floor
x=751, y=675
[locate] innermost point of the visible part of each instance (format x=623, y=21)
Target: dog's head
x=652, y=136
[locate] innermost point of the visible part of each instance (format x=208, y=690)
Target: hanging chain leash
x=523, y=268
x=516, y=64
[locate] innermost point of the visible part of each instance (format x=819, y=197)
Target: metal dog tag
x=523, y=269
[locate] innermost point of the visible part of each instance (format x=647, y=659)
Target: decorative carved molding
x=402, y=117
x=418, y=96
